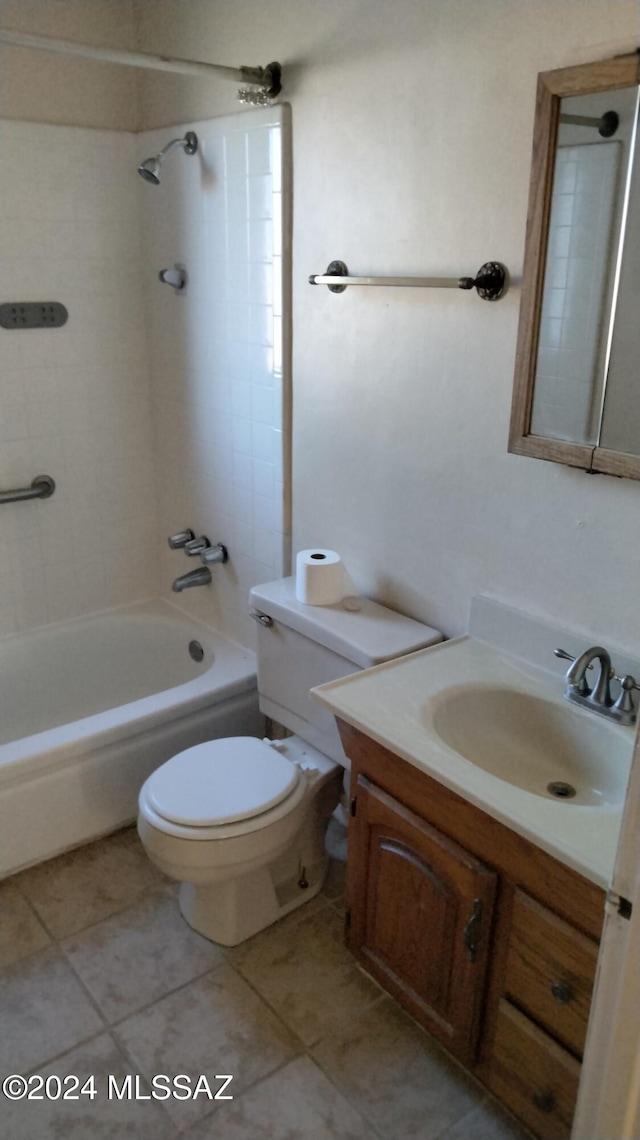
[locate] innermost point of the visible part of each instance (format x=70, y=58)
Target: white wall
x=218, y=354
x=412, y=142
x=74, y=401
x=51, y=88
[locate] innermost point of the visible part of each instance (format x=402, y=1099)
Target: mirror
x=578, y=358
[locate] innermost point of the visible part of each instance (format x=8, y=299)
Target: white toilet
x=241, y=822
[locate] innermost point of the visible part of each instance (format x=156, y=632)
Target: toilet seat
x=221, y=781
x=222, y=789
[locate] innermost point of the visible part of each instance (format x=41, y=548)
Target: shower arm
x=184, y=143
x=268, y=77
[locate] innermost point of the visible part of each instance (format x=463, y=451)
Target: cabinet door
x=420, y=916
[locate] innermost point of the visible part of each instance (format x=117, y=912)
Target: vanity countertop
x=400, y=703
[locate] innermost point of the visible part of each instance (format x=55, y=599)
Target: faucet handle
x=178, y=541
x=567, y=657
x=196, y=546
x=217, y=553
x=625, y=703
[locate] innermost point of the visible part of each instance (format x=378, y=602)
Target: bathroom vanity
x=488, y=941
x=474, y=895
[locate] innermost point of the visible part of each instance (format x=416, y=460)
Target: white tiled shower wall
x=205, y=369
x=218, y=365
x=74, y=401
x=568, y=385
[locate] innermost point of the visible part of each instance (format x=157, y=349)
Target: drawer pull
x=545, y=1101
x=472, y=930
x=562, y=992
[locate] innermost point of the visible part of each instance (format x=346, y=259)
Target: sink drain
x=561, y=790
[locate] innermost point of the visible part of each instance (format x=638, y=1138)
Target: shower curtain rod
x=267, y=77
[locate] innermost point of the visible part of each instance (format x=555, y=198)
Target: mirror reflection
x=588, y=348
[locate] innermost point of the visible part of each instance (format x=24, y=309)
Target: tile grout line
x=131, y=1063
x=168, y=993
x=160, y=886
x=259, y=1081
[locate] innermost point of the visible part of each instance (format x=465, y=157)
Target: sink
x=533, y=743
x=494, y=728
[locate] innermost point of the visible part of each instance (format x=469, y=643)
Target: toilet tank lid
x=366, y=636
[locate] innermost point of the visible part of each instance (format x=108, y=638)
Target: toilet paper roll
x=320, y=578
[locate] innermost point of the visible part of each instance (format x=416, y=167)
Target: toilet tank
x=304, y=646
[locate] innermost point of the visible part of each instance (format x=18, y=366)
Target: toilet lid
x=221, y=781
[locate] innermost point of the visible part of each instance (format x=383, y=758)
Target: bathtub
x=89, y=708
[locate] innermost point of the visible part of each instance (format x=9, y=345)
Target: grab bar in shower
x=42, y=487
x=490, y=281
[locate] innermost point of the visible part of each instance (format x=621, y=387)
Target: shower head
x=150, y=168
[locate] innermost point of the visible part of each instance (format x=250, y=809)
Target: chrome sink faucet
x=599, y=698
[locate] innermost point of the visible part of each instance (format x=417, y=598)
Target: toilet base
x=230, y=912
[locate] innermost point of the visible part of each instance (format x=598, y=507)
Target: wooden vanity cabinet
x=490, y=943
x=420, y=928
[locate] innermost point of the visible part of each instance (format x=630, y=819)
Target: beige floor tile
x=215, y=1025
x=397, y=1076
x=138, y=956
x=304, y=971
x=43, y=1011
x=489, y=1121
x=100, y=1118
x=20, y=931
x=296, y=1103
x=78, y=889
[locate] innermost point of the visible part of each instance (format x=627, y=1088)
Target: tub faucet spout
x=199, y=577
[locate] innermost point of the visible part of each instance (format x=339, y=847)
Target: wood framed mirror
x=576, y=397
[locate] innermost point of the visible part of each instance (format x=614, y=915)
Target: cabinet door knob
x=562, y=992
x=545, y=1101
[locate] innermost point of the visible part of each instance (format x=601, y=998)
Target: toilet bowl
x=240, y=823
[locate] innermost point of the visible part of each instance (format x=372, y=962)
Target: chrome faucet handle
x=631, y=681
x=625, y=703
x=567, y=656
x=196, y=546
x=217, y=553
x=180, y=540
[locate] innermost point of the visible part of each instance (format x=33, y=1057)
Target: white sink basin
x=498, y=732
x=533, y=743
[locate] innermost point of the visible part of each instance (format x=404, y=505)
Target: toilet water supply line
x=264, y=83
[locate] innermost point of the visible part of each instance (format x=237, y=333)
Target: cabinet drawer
x=533, y=1075
x=550, y=971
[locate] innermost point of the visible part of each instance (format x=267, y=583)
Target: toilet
x=240, y=822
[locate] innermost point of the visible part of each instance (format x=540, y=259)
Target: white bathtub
x=88, y=709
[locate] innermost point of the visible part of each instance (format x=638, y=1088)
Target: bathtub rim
x=65, y=744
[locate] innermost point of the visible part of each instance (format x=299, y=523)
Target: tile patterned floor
x=100, y=975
